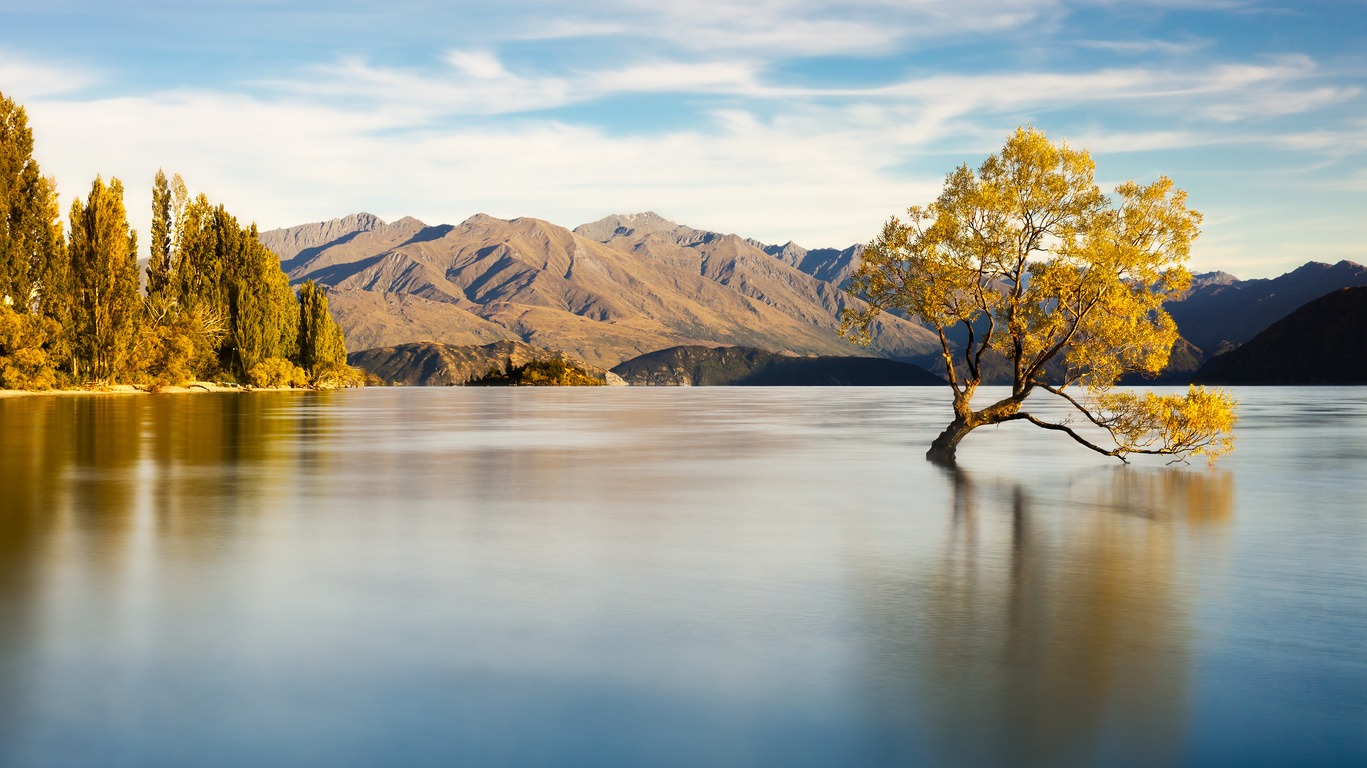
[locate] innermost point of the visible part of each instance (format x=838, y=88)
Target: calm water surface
x=678, y=577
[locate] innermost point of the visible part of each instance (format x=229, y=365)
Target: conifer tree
x=104, y=301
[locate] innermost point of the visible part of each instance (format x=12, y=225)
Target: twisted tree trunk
x=942, y=448
x=966, y=420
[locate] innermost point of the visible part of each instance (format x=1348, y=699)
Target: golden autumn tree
x=1028, y=261
x=103, y=284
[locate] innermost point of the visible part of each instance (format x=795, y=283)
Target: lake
x=669, y=577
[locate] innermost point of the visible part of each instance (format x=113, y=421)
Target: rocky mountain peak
x=289, y=242
x=629, y=224
x=409, y=222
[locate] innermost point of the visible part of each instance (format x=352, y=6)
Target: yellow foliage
x=333, y=374
x=277, y=372
x=24, y=362
x=1200, y=423
x=1028, y=259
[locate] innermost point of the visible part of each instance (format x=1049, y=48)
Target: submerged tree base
x=942, y=450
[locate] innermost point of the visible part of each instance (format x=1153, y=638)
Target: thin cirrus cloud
x=821, y=27
x=479, y=83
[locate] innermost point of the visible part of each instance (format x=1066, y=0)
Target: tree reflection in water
x=1055, y=626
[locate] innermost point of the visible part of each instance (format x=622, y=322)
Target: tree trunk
x=942, y=449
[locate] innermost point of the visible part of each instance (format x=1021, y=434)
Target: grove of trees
x=1026, y=262
x=217, y=305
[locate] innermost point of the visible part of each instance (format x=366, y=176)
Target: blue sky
x=775, y=119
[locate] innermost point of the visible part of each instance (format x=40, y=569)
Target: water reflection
x=660, y=577
x=1054, y=627
x=100, y=467
x=110, y=510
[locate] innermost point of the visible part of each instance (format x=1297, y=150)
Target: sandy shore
x=129, y=389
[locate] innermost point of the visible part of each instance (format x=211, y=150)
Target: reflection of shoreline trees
x=112, y=504
x=1048, y=631
x=97, y=468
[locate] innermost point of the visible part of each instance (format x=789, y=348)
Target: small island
x=554, y=372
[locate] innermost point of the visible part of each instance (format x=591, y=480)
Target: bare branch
x=1117, y=452
x=949, y=359
x=1079, y=406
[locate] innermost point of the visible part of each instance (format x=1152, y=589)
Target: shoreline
x=198, y=387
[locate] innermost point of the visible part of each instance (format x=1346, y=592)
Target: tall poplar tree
x=103, y=284
x=264, y=311
x=163, y=230
x=219, y=273
x=30, y=233
x=197, y=267
x=321, y=345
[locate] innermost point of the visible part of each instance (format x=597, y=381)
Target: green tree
x=263, y=306
x=177, y=346
x=18, y=174
x=197, y=263
x=30, y=231
x=103, y=284
x=321, y=346
x=163, y=232
x=1032, y=262
x=220, y=272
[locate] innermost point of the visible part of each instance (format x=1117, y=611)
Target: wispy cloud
x=1147, y=47
x=803, y=119
x=820, y=27
x=479, y=83
x=32, y=80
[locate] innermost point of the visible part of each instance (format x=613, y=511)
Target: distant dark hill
x=1323, y=342
x=1185, y=359
x=1219, y=310
x=744, y=366
x=430, y=364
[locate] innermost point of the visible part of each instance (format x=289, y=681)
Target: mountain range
x=1220, y=312
x=631, y=284
x=1323, y=342
x=609, y=291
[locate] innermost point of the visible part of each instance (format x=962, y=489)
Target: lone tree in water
x=1029, y=262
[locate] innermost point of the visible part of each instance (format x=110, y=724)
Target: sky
x=780, y=120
